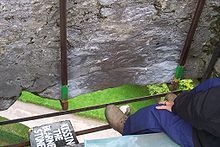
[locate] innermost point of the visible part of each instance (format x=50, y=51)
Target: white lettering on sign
x=39, y=138
x=48, y=136
x=67, y=134
x=51, y=135
x=57, y=135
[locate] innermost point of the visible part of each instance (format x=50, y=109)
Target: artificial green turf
x=106, y=96
x=95, y=98
x=12, y=133
x=15, y=133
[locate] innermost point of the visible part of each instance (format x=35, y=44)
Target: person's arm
x=200, y=109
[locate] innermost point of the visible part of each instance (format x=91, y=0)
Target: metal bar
x=63, y=42
x=91, y=130
x=100, y=128
x=215, y=56
x=83, y=109
x=23, y=144
x=191, y=32
x=78, y=133
x=63, y=46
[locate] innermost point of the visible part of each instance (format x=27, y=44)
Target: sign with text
x=53, y=135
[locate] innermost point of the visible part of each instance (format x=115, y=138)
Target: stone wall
x=110, y=43
x=205, y=40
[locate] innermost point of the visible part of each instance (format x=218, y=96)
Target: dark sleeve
x=182, y=105
x=201, y=109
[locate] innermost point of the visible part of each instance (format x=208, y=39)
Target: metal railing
x=82, y=132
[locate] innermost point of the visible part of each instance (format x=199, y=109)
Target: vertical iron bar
x=187, y=44
x=63, y=42
x=191, y=32
x=63, y=45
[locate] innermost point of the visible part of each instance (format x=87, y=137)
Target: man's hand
x=166, y=105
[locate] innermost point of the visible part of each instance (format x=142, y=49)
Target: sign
x=53, y=135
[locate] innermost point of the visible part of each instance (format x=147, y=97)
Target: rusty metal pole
x=191, y=32
x=63, y=45
x=187, y=44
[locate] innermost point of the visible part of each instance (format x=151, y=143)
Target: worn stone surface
x=110, y=43
x=205, y=40
x=217, y=68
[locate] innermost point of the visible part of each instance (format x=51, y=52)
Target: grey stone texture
x=110, y=43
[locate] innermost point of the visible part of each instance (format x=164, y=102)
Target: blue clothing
x=206, y=85
x=151, y=120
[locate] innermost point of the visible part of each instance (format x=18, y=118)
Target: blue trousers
x=207, y=84
x=151, y=120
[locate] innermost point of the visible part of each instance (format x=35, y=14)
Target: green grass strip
x=95, y=98
x=106, y=96
x=13, y=133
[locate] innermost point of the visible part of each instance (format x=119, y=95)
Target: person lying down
x=191, y=119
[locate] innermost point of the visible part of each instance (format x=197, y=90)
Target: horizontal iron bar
x=91, y=130
x=83, y=109
x=78, y=133
x=100, y=128
x=23, y=144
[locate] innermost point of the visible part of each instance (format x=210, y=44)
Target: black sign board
x=57, y=134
